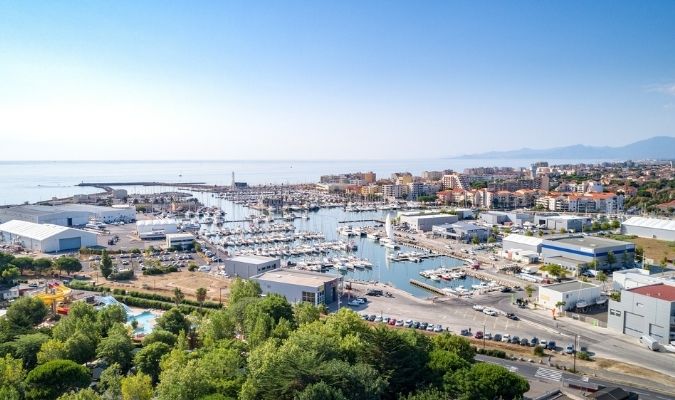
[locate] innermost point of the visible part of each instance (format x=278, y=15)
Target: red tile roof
x=659, y=291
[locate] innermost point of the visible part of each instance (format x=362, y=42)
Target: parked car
x=506, y=337
x=392, y=321
x=354, y=303
x=372, y=317
x=515, y=339
x=365, y=316
x=415, y=325
x=488, y=336
x=430, y=328
x=408, y=323
x=534, y=341
x=550, y=345
x=569, y=349
x=524, y=342
x=490, y=312
x=423, y=325
x=378, y=319
x=478, y=335
x=497, y=337
x=512, y=316
x=438, y=328
x=399, y=322
x=478, y=307
x=385, y=320
x=465, y=332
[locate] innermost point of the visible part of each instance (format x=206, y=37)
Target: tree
x=611, y=258
x=147, y=359
x=23, y=263
x=243, y=288
x=491, y=239
x=26, y=347
x=160, y=336
x=529, y=233
x=625, y=259
x=178, y=296
x=52, y=349
x=455, y=344
x=601, y=277
x=41, y=265
x=82, y=394
x=320, y=391
x=54, y=378
x=559, y=305
x=305, y=313
x=529, y=289
x=429, y=394
x=110, y=382
x=117, y=347
x=484, y=381
x=173, y=321
x=200, y=293
x=106, y=264
x=8, y=274
x=137, y=387
x=555, y=270
x=12, y=374
x=68, y=264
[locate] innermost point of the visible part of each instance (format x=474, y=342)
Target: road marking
x=546, y=373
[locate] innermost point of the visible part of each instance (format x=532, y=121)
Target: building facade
x=646, y=310
x=248, y=266
x=300, y=286
x=573, y=252
x=652, y=228
x=575, y=294
x=45, y=238
x=423, y=223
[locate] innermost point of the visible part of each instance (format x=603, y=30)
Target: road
x=537, y=372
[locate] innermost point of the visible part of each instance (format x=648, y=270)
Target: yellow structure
x=54, y=295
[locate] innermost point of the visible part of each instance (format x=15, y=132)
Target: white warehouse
x=156, y=228
x=45, y=238
x=652, y=228
x=104, y=214
x=574, y=294
x=44, y=215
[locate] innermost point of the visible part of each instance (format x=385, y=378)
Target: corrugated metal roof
x=522, y=239
x=146, y=222
x=667, y=224
x=32, y=230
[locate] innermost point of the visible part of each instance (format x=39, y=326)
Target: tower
x=234, y=185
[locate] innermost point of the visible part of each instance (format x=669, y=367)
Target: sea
x=33, y=181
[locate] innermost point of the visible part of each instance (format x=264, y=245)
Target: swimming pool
x=146, y=322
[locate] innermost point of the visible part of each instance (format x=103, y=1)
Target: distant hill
x=658, y=147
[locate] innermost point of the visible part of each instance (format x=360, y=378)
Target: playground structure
x=55, y=297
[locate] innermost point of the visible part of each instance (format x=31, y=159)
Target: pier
x=428, y=287
x=360, y=220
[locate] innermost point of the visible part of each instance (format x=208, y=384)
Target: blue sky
x=342, y=79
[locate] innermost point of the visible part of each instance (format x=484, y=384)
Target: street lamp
x=574, y=368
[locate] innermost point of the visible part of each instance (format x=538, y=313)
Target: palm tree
x=201, y=295
x=602, y=277
x=178, y=296
x=529, y=289
x=559, y=305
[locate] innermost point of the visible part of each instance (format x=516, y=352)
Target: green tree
x=106, y=264
x=611, y=258
x=82, y=394
x=601, y=277
x=147, y=359
x=173, y=321
x=26, y=347
x=484, y=381
x=108, y=316
x=200, y=293
x=243, y=288
x=320, y=391
x=178, y=296
x=110, y=382
x=137, y=387
x=555, y=270
x=12, y=375
x=455, y=344
x=41, y=265
x=625, y=259
x=52, y=349
x=475, y=240
x=529, y=290
x=9, y=274
x=305, y=313
x=54, y=378
x=68, y=264
x=560, y=304
x=161, y=336
x=117, y=347
x=23, y=263
x=529, y=233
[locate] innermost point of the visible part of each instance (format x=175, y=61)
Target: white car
x=490, y=312
x=506, y=337
x=354, y=303
x=478, y=307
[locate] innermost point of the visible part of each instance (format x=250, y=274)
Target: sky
x=347, y=79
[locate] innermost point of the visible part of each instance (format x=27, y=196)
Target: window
x=309, y=297
x=616, y=313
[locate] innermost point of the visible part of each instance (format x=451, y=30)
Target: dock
x=360, y=220
x=428, y=287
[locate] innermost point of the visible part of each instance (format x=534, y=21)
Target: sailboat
x=389, y=242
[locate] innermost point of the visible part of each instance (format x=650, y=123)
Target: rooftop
x=252, y=259
x=32, y=230
x=146, y=222
x=588, y=241
x=522, y=239
x=659, y=291
x=295, y=277
x=569, y=286
x=667, y=224
x=179, y=236
x=32, y=210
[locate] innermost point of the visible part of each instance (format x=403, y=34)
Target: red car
x=392, y=321
x=478, y=335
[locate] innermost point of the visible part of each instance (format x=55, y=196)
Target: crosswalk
x=546, y=373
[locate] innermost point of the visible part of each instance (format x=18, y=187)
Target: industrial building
x=423, y=223
x=156, y=228
x=636, y=277
x=462, y=231
x=573, y=252
x=248, y=266
x=566, y=223
x=506, y=217
x=67, y=214
x=652, y=228
x=645, y=311
x=298, y=286
x=522, y=242
x=180, y=240
x=44, y=215
x=575, y=294
x=103, y=214
x=45, y=238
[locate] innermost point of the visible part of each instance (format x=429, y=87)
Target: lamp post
x=574, y=367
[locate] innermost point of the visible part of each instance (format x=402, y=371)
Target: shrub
x=583, y=355
x=538, y=351
x=122, y=276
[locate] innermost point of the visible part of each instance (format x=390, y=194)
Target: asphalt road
x=543, y=373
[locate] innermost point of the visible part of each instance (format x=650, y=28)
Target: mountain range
x=657, y=148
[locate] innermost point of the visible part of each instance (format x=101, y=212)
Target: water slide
x=54, y=293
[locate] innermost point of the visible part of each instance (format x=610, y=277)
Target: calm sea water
x=34, y=181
